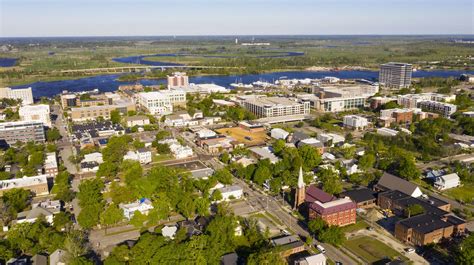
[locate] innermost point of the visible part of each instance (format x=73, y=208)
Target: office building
x=395, y=75
x=178, y=80
x=39, y=113
x=25, y=94
x=412, y=100
x=265, y=107
x=355, y=122
x=93, y=112
x=161, y=102
x=23, y=131
x=37, y=184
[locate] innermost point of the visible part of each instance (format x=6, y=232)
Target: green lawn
x=359, y=225
x=464, y=193
x=158, y=158
x=370, y=249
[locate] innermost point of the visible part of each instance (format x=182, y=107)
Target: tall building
x=23, y=131
x=265, y=107
x=395, y=75
x=178, y=80
x=36, y=113
x=161, y=102
x=300, y=190
x=25, y=94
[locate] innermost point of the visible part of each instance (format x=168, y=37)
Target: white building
x=265, y=153
x=446, y=109
x=140, y=120
x=447, y=181
x=278, y=133
x=265, y=107
x=51, y=165
x=231, y=192
x=205, y=133
x=25, y=94
x=142, y=155
x=318, y=259
x=205, y=89
x=395, y=75
x=177, y=149
x=387, y=132
x=183, y=119
x=30, y=216
x=36, y=113
x=355, y=122
x=335, y=138
x=91, y=162
x=161, y=102
x=93, y=157
x=143, y=206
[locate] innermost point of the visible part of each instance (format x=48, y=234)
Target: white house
x=278, y=133
x=33, y=214
x=318, y=259
x=231, y=192
x=177, y=149
x=58, y=257
x=139, y=120
x=142, y=155
x=335, y=138
x=36, y=113
x=169, y=231
x=93, y=157
x=355, y=122
x=447, y=181
x=143, y=206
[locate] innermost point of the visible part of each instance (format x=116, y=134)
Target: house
x=33, y=214
x=364, y=198
x=331, y=139
x=183, y=118
x=142, y=205
x=447, y=181
x=91, y=162
x=328, y=156
x=231, y=192
x=351, y=166
x=169, y=231
x=53, y=206
x=433, y=174
x=313, y=142
x=387, y=132
x=334, y=211
x=288, y=245
x=245, y=161
x=142, y=155
x=139, y=120
x=391, y=182
x=264, y=153
x=58, y=257
x=278, y=133
x=50, y=166
x=318, y=259
x=177, y=149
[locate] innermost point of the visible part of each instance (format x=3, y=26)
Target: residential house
x=38, y=185
x=278, y=133
x=142, y=155
x=142, y=205
x=447, y=181
x=58, y=257
x=264, y=153
x=50, y=166
x=30, y=216
x=138, y=120
x=169, y=231
x=231, y=192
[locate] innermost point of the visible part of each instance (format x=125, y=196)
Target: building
x=38, y=185
x=179, y=151
x=138, y=120
x=91, y=162
x=334, y=211
x=252, y=127
x=364, y=198
x=265, y=107
x=445, y=109
x=288, y=245
x=58, y=257
x=142, y=155
x=231, y=192
x=21, y=131
x=93, y=112
x=204, y=89
x=161, y=102
x=313, y=142
x=447, y=181
x=391, y=182
x=50, y=166
x=278, y=133
x=183, y=119
x=400, y=116
x=395, y=75
x=25, y=94
x=411, y=100
x=318, y=259
x=143, y=206
x=36, y=113
x=177, y=80
x=355, y=122
x=387, y=132
x=331, y=139
x=264, y=153
x=30, y=216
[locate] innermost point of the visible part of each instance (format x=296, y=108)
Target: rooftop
x=425, y=223
x=23, y=182
x=392, y=182
x=272, y=102
x=360, y=195
x=315, y=194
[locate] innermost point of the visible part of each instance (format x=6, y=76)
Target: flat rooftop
x=273, y=102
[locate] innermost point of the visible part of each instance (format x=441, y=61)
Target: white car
x=321, y=249
x=410, y=250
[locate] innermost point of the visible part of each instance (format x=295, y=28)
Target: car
x=370, y=228
x=285, y=232
x=410, y=250
x=321, y=249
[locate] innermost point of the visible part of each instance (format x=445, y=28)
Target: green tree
x=112, y=215
x=332, y=235
x=316, y=225
x=115, y=117
x=262, y=174
x=186, y=207
x=53, y=135
x=107, y=169
x=138, y=219
x=16, y=199
x=265, y=258
x=465, y=251
x=367, y=161
x=216, y=196
x=223, y=176
x=278, y=146
x=311, y=157
x=225, y=158
x=414, y=209
x=61, y=220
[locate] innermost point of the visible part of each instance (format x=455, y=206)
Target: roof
x=314, y=194
x=137, y=118
x=425, y=223
x=23, y=182
x=39, y=259
x=264, y=153
x=169, y=231
x=392, y=182
x=284, y=240
x=34, y=213
x=450, y=177
x=315, y=259
x=455, y=220
x=360, y=195
x=230, y=259
x=334, y=206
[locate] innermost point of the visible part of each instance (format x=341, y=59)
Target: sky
x=42, y=18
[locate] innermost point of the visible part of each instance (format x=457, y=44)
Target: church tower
x=300, y=190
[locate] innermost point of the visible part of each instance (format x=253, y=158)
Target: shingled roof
x=391, y=182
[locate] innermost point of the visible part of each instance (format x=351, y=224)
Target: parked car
x=410, y=250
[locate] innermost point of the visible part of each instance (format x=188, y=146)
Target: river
x=108, y=83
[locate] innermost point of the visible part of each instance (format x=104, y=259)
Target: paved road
x=283, y=213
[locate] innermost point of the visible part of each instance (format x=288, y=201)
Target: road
x=283, y=213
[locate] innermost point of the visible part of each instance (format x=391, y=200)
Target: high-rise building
x=36, y=113
x=178, y=80
x=395, y=75
x=23, y=131
x=25, y=94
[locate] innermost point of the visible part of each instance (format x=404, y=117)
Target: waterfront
x=107, y=83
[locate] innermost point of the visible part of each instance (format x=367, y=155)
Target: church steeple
x=300, y=190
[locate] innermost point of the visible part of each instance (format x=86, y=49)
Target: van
x=321, y=249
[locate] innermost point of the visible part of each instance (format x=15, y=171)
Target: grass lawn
x=157, y=158
x=359, y=225
x=370, y=249
x=464, y=193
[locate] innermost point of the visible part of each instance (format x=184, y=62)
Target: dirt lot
x=239, y=135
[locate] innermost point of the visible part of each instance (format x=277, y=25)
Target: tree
x=138, y=219
x=278, y=146
x=91, y=202
x=16, y=199
x=261, y=174
x=311, y=157
x=316, y=225
x=202, y=206
x=216, y=196
x=414, y=209
x=107, y=169
x=121, y=194
x=53, y=135
x=465, y=251
x=61, y=220
x=367, y=161
x=265, y=258
x=62, y=187
x=75, y=245
x=332, y=235
x=225, y=158
x=223, y=176
x=112, y=215
x=115, y=116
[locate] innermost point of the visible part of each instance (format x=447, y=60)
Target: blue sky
x=233, y=17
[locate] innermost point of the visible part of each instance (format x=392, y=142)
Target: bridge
x=136, y=69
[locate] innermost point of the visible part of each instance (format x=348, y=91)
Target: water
x=8, y=62
x=141, y=59
x=108, y=83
